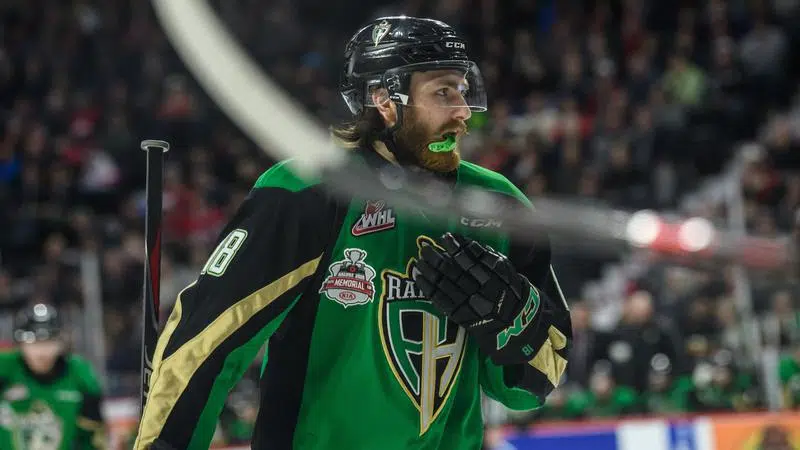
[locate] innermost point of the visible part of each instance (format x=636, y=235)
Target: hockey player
x=49, y=399
x=383, y=327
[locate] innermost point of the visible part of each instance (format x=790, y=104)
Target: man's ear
x=385, y=106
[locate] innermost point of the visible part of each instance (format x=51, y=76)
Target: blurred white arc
x=235, y=82
x=284, y=131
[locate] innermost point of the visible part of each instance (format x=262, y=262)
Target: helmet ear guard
x=381, y=98
x=398, y=89
x=378, y=96
x=394, y=87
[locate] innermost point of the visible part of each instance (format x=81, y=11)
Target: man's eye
x=443, y=92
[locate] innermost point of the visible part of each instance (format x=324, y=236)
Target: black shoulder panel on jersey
x=283, y=229
x=185, y=411
x=542, y=373
x=532, y=260
x=283, y=381
x=264, y=260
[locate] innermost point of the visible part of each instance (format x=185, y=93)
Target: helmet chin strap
x=404, y=158
x=387, y=136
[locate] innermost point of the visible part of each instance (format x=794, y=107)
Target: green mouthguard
x=447, y=145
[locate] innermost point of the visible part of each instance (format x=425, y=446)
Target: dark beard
x=412, y=140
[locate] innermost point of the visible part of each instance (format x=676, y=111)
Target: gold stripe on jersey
x=547, y=361
x=172, y=375
x=169, y=328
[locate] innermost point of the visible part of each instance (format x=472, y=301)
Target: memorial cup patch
x=350, y=280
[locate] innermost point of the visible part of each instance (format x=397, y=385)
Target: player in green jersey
x=789, y=373
x=383, y=328
x=49, y=399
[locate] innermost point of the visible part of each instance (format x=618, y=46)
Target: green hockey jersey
x=789, y=373
x=357, y=358
x=621, y=401
x=59, y=411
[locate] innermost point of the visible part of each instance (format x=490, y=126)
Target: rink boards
x=713, y=432
x=706, y=432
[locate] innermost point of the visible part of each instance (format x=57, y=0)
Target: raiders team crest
x=350, y=280
x=422, y=346
x=376, y=217
x=38, y=428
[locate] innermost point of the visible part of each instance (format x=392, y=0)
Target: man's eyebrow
x=454, y=82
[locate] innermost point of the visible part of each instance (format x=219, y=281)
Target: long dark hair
x=362, y=131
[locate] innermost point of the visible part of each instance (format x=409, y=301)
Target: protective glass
x=461, y=85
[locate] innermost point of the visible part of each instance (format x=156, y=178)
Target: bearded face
x=435, y=114
x=418, y=132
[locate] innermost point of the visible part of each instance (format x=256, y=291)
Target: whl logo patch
x=350, y=280
x=376, y=217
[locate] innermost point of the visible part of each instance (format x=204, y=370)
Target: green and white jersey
x=59, y=411
x=357, y=357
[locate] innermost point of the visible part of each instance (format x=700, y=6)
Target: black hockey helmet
x=39, y=322
x=388, y=50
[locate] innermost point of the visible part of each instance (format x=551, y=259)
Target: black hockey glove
x=479, y=289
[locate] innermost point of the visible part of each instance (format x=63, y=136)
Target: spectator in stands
x=10, y=303
x=763, y=52
x=667, y=393
x=720, y=386
x=733, y=333
x=698, y=319
x=684, y=82
x=640, y=77
x=584, y=345
x=605, y=398
x=7, y=297
x=781, y=324
x=637, y=339
x=781, y=147
x=556, y=407
x=789, y=372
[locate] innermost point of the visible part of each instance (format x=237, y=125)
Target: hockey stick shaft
x=154, y=188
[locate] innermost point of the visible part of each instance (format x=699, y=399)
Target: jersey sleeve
x=91, y=432
x=265, y=259
x=7, y=361
x=494, y=384
x=525, y=386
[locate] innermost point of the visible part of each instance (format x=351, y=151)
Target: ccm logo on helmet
x=456, y=45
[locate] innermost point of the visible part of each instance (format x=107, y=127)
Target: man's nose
x=462, y=112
